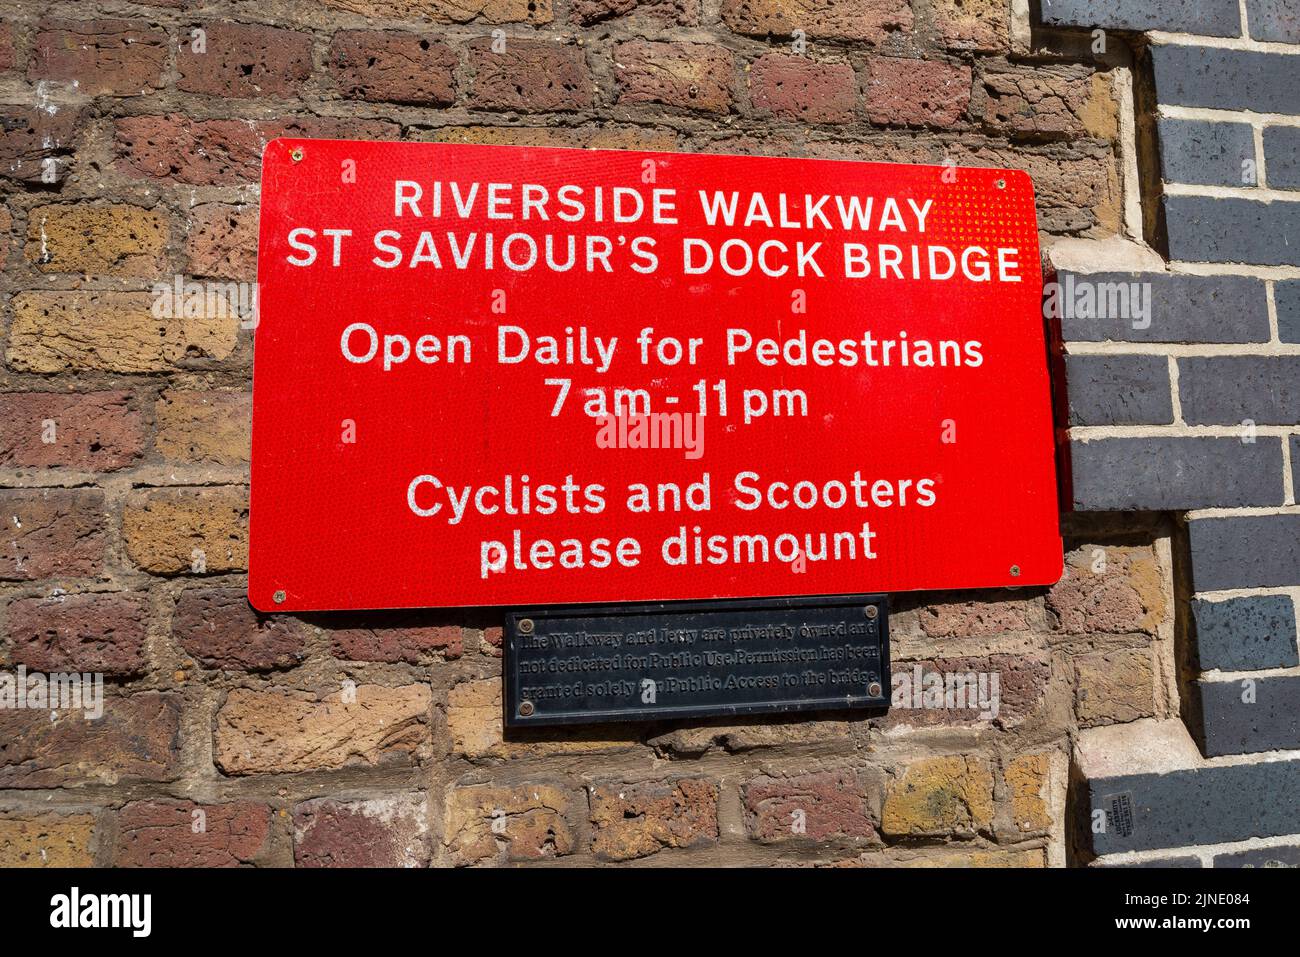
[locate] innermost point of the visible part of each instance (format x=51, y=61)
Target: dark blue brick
x=1287, y=296
x=1275, y=20
x=1201, y=152
x=1174, y=307
x=1214, y=18
x=1286, y=855
x=1249, y=551
x=1205, y=805
x=1245, y=634
x=1282, y=156
x=1175, y=473
x=1269, y=722
x=1119, y=390
x=1228, y=390
x=1226, y=79
x=1211, y=229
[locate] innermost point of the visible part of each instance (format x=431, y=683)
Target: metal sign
x=492, y=375
x=691, y=660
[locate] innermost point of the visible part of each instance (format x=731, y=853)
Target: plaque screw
x=874, y=689
x=526, y=628
x=296, y=154
x=279, y=597
x=871, y=611
x=1015, y=571
x=525, y=708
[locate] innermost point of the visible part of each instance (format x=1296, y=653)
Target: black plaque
x=696, y=659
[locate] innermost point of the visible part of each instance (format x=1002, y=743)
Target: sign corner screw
x=279, y=597
x=1000, y=184
x=526, y=628
x=874, y=689
x=1015, y=571
x=525, y=708
x=871, y=611
x=296, y=154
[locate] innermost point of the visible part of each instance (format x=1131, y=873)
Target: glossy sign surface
x=490, y=375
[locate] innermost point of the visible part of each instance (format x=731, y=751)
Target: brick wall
x=1195, y=409
x=128, y=158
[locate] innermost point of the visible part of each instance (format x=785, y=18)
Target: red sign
x=492, y=375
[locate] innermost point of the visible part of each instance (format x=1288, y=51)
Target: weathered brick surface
x=395, y=637
x=220, y=152
x=119, y=57
x=381, y=832
x=92, y=431
x=1108, y=589
x=244, y=60
x=1028, y=777
x=508, y=824
x=29, y=136
x=51, y=533
x=110, y=332
x=267, y=732
x=8, y=53
x=692, y=76
x=220, y=629
x=1041, y=100
x=451, y=11
x=954, y=691
x=136, y=739
x=819, y=806
x=1230, y=390
x=46, y=840
x=109, y=238
x=798, y=88
x=900, y=91
x=636, y=820
x=939, y=796
x=185, y=834
x=394, y=67
x=866, y=20
x=477, y=731
x=529, y=75
x=175, y=531
x=1114, y=687
x=83, y=633
x=208, y=427
x=222, y=241
x=670, y=11
x=982, y=25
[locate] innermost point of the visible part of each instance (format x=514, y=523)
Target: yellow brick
x=109, y=238
x=111, y=332
x=46, y=840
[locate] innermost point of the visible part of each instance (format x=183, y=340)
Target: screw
x=1015, y=571
x=874, y=689
x=525, y=708
x=871, y=611
x=1001, y=184
x=279, y=597
x=296, y=154
x=525, y=626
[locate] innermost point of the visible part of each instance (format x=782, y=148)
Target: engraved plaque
x=696, y=659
